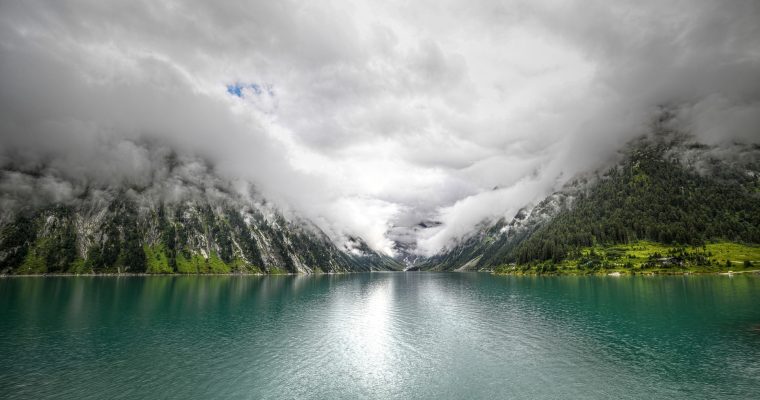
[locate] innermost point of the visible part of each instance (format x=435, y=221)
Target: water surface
x=380, y=335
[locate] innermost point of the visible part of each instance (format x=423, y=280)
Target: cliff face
x=179, y=221
x=189, y=237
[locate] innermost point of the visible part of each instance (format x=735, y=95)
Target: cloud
x=366, y=116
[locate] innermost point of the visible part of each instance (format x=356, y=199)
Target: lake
x=380, y=335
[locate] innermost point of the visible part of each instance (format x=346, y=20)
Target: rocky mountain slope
x=186, y=220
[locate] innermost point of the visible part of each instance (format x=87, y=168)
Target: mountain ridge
x=185, y=220
x=667, y=188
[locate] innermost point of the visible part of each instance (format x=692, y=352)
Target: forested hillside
x=652, y=196
x=666, y=190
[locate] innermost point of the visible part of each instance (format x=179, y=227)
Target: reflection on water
x=380, y=335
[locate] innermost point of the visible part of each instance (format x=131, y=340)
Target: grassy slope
x=648, y=257
x=158, y=263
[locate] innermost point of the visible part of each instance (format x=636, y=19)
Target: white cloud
x=375, y=114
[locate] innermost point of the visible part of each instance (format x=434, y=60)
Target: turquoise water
x=380, y=335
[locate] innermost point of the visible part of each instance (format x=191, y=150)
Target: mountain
x=185, y=219
x=405, y=242
x=477, y=250
x=668, y=200
x=668, y=192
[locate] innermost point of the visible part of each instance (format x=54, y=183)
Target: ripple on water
x=405, y=335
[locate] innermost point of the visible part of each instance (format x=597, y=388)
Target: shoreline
x=613, y=274
x=616, y=274
x=143, y=274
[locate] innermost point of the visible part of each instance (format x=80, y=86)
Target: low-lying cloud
x=365, y=116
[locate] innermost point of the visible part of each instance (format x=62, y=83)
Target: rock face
x=177, y=223
x=187, y=237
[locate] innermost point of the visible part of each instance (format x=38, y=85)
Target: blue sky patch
x=235, y=90
x=240, y=89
